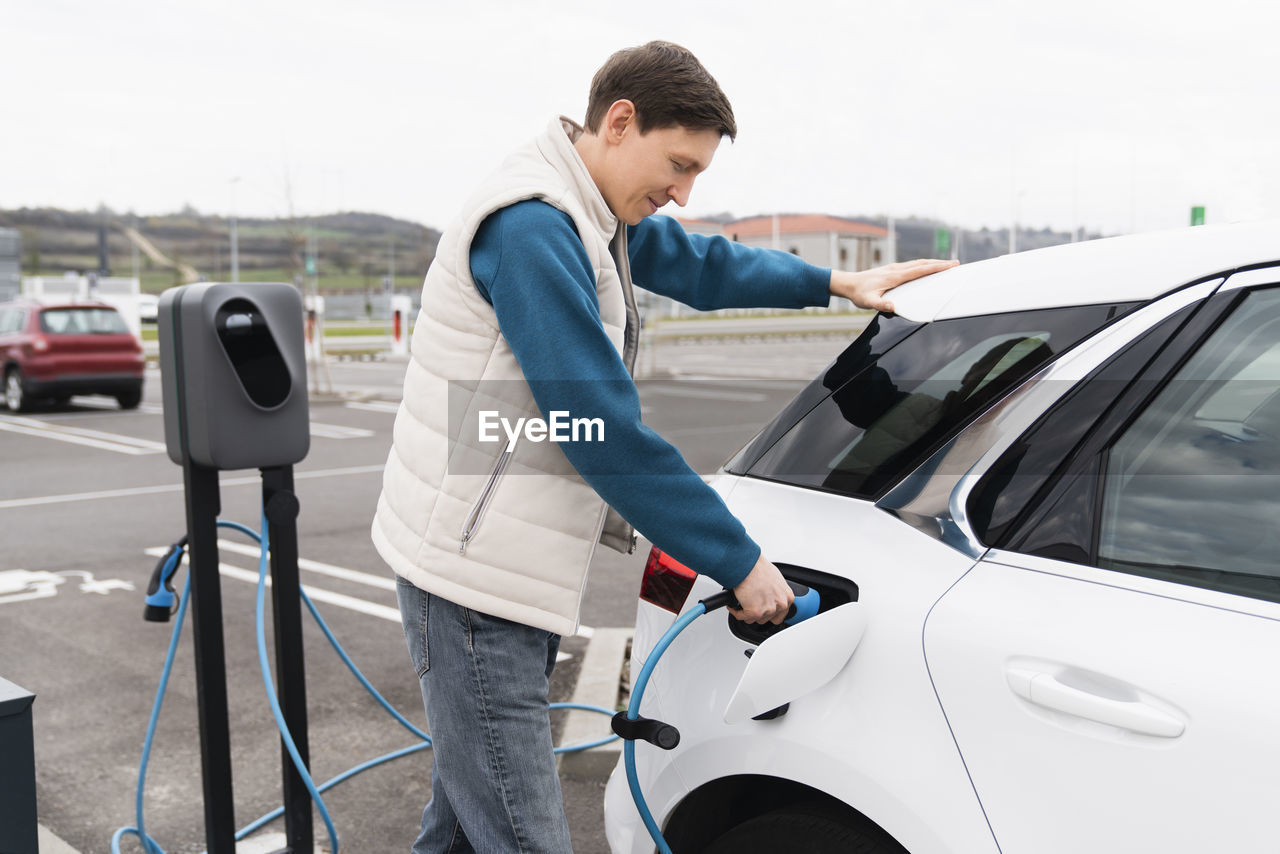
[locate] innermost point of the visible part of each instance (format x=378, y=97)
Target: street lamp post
x=235, y=243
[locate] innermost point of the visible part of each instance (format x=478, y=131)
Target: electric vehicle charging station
x=233, y=373
x=401, y=306
x=315, y=328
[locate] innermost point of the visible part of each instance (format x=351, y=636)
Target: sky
x=1109, y=116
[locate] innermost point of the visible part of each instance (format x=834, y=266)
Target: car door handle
x=1044, y=689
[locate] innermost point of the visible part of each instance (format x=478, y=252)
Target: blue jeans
x=494, y=785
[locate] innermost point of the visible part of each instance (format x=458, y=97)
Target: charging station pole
x=203, y=507
x=291, y=686
x=233, y=372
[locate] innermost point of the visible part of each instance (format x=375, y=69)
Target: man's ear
x=618, y=121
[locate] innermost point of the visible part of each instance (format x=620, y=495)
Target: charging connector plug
x=161, y=598
x=806, y=602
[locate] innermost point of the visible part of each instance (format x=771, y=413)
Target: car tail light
x=40, y=344
x=666, y=581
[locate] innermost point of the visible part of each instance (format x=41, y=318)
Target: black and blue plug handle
x=805, y=605
x=666, y=736
x=161, y=597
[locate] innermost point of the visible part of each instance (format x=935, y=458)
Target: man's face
x=646, y=171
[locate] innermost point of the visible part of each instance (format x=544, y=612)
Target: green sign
x=941, y=242
x=311, y=265
x=1197, y=215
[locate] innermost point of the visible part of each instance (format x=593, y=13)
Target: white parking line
x=338, y=431
x=716, y=428
x=80, y=436
x=176, y=487
x=374, y=406
x=92, y=403
x=381, y=581
x=704, y=393
x=341, y=600
x=351, y=603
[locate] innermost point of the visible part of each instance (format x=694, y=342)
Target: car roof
x=1135, y=267
x=60, y=306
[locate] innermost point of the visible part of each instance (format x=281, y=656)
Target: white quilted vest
x=506, y=532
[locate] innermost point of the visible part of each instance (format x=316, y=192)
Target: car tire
x=15, y=393
x=129, y=399
x=812, y=830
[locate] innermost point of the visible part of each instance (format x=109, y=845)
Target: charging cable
x=631, y=726
x=160, y=605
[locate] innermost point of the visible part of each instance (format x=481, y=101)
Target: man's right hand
x=763, y=595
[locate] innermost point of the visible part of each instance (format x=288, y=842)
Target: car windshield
x=82, y=321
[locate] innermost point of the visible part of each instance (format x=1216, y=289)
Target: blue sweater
x=530, y=264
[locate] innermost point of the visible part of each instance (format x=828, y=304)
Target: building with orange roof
x=828, y=241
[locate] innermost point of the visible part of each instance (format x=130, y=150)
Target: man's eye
x=679, y=167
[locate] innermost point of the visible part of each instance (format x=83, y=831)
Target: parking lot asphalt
x=88, y=496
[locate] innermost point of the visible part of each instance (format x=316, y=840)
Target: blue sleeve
x=530, y=264
x=710, y=271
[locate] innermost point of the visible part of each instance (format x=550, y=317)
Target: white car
x=1049, y=489
x=148, y=307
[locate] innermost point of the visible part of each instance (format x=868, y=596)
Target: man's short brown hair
x=668, y=87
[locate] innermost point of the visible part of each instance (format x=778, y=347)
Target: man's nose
x=679, y=192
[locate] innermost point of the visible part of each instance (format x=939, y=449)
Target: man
x=527, y=310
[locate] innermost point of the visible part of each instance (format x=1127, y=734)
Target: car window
x=884, y=421
x=1191, y=490
x=881, y=335
x=12, y=320
x=1012, y=489
x=82, y=321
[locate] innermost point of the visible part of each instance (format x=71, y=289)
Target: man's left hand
x=867, y=289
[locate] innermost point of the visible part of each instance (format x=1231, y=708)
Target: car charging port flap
x=833, y=592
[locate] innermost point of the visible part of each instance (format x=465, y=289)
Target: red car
x=55, y=351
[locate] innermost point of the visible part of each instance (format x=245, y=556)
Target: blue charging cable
x=633, y=714
x=160, y=601
x=632, y=726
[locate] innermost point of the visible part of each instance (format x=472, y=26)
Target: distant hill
x=353, y=249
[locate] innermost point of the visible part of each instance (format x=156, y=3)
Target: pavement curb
x=49, y=843
x=597, y=686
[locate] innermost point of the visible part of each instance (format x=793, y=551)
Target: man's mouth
x=652, y=204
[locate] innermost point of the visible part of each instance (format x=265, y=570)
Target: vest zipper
x=477, y=511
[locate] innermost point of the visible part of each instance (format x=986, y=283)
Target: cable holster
x=657, y=733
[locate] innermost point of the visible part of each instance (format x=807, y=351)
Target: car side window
x=1015, y=487
x=883, y=422
x=1190, y=491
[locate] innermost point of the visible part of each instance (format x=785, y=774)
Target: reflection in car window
x=11, y=320
x=881, y=335
x=1006, y=503
x=1192, y=489
x=883, y=422
x=82, y=321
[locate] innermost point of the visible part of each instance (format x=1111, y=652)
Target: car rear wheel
x=129, y=399
x=15, y=396
x=811, y=830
